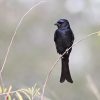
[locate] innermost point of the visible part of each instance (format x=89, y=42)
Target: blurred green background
x=33, y=51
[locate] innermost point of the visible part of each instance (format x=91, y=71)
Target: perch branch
x=48, y=75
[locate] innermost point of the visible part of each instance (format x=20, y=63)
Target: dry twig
x=48, y=75
x=12, y=39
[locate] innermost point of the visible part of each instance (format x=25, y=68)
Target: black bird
x=64, y=39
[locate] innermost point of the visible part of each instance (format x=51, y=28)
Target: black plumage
x=64, y=38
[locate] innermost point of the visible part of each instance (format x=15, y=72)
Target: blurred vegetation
x=21, y=94
x=33, y=51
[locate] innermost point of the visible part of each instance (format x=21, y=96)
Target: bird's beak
x=56, y=24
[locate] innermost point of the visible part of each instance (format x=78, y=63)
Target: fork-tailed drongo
x=64, y=38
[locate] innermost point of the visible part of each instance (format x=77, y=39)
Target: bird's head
x=62, y=23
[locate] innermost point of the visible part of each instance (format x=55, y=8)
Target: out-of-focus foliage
x=33, y=51
x=21, y=94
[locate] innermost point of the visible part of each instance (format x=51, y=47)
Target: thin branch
x=48, y=75
x=6, y=98
x=15, y=34
x=93, y=87
x=12, y=39
x=2, y=84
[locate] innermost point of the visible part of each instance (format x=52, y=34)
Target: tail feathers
x=65, y=73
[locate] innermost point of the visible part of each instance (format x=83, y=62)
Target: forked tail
x=65, y=72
